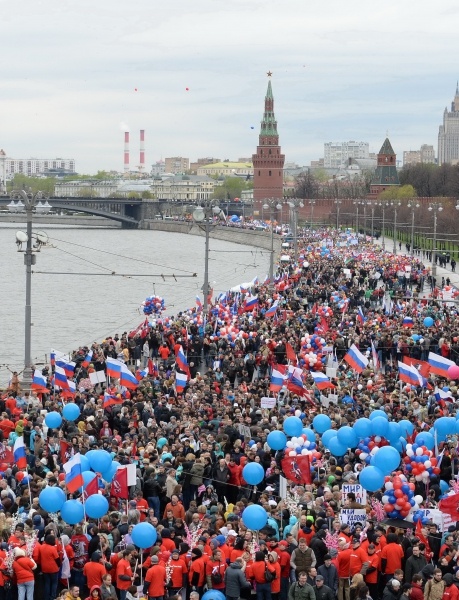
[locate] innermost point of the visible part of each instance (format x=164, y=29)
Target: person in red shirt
x=6, y=426
x=197, y=573
x=276, y=583
x=178, y=572
x=23, y=568
x=95, y=593
x=155, y=579
x=124, y=574
x=284, y=561
x=50, y=564
x=94, y=570
x=256, y=571
x=357, y=558
x=391, y=557
x=371, y=576
x=142, y=506
x=215, y=571
x=344, y=568
x=176, y=507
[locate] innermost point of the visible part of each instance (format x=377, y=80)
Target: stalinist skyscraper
x=448, y=133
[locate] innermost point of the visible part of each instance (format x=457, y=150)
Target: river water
x=76, y=309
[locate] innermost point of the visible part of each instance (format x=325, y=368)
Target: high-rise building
x=425, y=155
x=448, y=133
x=177, y=164
x=268, y=162
x=39, y=166
x=338, y=154
x=386, y=175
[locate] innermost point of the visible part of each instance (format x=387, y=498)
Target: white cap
x=232, y=532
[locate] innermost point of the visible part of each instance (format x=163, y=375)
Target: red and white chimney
x=126, y=151
x=142, y=151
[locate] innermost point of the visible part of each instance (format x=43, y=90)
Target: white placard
x=97, y=377
x=352, y=516
x=327, y=350
x=131, y=474
x=268, y=402
x=355, y=488
x=333, y=398
x=436, y=516
x=330, y=372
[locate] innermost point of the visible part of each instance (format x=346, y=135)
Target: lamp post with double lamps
x=205, y=214
x=412, y=206
x=383, y=204
x=295, y=204
x=312, y=204
x=272, y=204
x=435, y=207
x=338, y=204
x=29, y=203
x=372, y=208
x=396, y=205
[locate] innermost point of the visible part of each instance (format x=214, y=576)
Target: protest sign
x=352, y=516
x=355, y=488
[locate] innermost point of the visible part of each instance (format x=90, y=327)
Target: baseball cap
x=319, y=578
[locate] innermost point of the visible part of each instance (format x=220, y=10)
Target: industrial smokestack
x=142, y=151
x=126, y=151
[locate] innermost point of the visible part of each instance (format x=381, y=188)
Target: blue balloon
x=309, y=433
x=425, y=438
x=96, y=506
x=88, y=476
x=293, y=426
x=336, y=448
x=445, y=426
x=254, y=517
x=328, y=435
x=72, y=512
x=213, y=595
x=51, y=499
x=321, y=423
x=71, y=411
x=85, y=466
x=393, y=432
x=362, y=428
x=100, y=460
x=380, y=426
x=371, y=479
x=347, y=437
x=276, y=440
x=443, y=486
x=428, y=321
x=378, y=413
x=110, y=472
x=144, y=535
x=253, y=473
x=53, y=420
x=386, y=459
x=406, y=427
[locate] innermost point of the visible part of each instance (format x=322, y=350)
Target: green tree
x=229, y=189
x=146, y=195
x=35, y=184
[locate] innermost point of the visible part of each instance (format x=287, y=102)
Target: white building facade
x=37, y=166
x=336, y=154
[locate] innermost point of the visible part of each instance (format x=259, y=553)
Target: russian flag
x=128, y=379
x=272, y=309
x=321, y=381
x=113, y=367
x=439, y=365
x=39, y=382
x=52, y=358
x=112, y=400
x=295, y=381
x=141, y=374
x=180, y=382
x=198, y=304
x=277, y=378
x=71, y=391
x=409, y=374
x=87, y=360
x=73, y=477
x=360, y=316
x=181, y=361
x=441, y=395
x=60, y=378
x=407, y=322
x=251, y=304
x=356, y=359
x=19, y=453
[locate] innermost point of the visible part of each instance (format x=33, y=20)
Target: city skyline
x=194, y=76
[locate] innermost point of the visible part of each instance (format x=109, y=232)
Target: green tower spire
x=269, y=123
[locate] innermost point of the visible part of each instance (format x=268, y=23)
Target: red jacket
x=416, y=592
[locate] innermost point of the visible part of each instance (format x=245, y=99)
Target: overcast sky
x=72, y=73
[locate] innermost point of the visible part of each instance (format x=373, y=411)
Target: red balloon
x=388, y=508
x=412, y=486
x=407, y=460
x=19, y=476
x=4, y=466
x=436, y=471
x=398, y=493
x=433, y=461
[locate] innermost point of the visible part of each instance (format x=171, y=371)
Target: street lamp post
x=383, y=205
x=338, y=203
x=295, y=204
x=357, y=219
x=396, y=205
x=271, y=204
x=29, y=203
x=413, y=207
x=312, y=203
x=371, y=204
x=435, y=207
x=204, y=214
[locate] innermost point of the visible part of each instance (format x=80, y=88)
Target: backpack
x=269, y=576
x=216, y=576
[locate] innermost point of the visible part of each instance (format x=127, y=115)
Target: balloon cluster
x=302, y=439
x=153, y=305
x=70, y=412
x=419, y=461
x=369, y=446
x=398, y=499
x=311, y=356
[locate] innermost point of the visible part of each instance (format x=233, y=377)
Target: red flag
x=141, y=330
x=6, y=454
x=152, y=368
x=324, y=324
x=91, y=489
x=119, y=487
x=421, y=365
x=423, y=539
x=297, y=469
x=450, y=506
x=66, y=451
x=290, y=352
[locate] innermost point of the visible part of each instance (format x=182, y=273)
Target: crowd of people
x=190, y=443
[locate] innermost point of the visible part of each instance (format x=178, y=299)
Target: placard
x=97, y=377
x=355, y=488
x=352, y=516
x=436, y=516
x=330, y=372
x=268, y=402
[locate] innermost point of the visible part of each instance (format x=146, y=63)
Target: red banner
x=91, y=489
x=290, y=353
x=66, y=451
x=450, y=506
x=297, y=469
x=6, y=454
x=119, y=488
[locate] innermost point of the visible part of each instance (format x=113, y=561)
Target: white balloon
x=307, y=443
x=374, y=450
x=360, y=386
x=410, y=453
x=427, y=464
x=294, y=439
x=389, y=485
x=377, y=439
x=304, y=451
x=425, y=475
x=289, y=444
x=418, y=478
x=419, y=451
x=292, y=453
x=409, y=446
x=297, y=413
x=418, y=499
x=409, y=518
x=370, y=382
x=295, y=446
x=385, y=499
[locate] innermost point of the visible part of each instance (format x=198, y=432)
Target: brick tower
x=268, y=162
x=386, y=175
